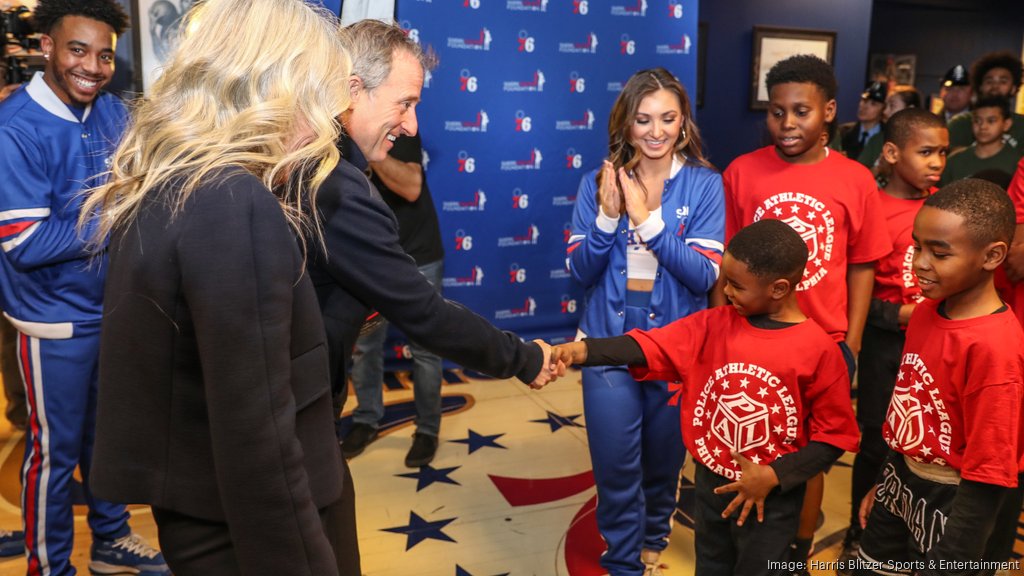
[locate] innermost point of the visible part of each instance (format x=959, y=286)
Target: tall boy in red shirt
x=916, y=144
x=830, y=200
x=758, y=418
x=1015, y=259
x=955, y=419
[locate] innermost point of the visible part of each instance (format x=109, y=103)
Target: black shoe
x=357, y=439
x=851, y=547
x=424, y=446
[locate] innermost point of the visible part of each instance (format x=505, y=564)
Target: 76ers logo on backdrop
x=743, y=408
x=581, y=7
x=626, y=45
x=526, y=42
x=520, y=199
x=573, y=159
x=467, y=82
x=412, y=33
x=463, y=241
x=633, y=8
x=516, y=274
x=577, y=84
x=675, y=9
x=523, y=122
x=466, y=162
x=813, y=221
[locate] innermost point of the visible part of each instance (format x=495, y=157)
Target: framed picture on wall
x=155, y=26
x=773, y=44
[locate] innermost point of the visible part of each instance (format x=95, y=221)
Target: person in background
x=994, y=75
x=855, y=135
x=646, y=245
x=955, y=92
x=231, y=439
x=990, y=121
x=57, y=134
x=898, y=99
x=403, y=186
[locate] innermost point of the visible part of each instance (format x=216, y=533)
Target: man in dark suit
x=364, y=267
x=869, y=120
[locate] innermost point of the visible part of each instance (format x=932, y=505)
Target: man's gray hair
x=372, y=45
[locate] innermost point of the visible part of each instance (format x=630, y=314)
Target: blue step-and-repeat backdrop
x=511, y=118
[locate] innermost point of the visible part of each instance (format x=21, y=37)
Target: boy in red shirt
x=830, y=200
x=916, y=143
x=955, y=419
x=758, y=418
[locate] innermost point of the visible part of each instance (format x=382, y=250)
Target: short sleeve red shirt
x=763, y=393
x=1015, y=293
x=832, y=204
x=957, y=400
x=894, y=274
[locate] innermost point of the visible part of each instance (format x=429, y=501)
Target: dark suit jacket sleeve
x=365, y=259
x=238, y=263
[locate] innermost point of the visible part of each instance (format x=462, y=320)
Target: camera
x=16, y=29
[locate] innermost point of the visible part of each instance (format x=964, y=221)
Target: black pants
x=723, y=548
x=196, y=547
x=879, y=364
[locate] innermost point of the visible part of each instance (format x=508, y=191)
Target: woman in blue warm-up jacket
x=646, y=244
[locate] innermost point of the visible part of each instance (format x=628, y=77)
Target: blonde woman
x=214, y=404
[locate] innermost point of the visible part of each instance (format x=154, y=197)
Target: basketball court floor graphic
x=510, y=492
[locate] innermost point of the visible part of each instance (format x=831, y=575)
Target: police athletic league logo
x=918, y=422
x=813, y=221
x=743, y=408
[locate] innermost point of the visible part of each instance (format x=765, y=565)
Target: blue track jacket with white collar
x=49, y=285
x=687, y=243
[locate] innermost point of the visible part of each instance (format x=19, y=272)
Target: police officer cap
x=956, y=76
x=874, y=91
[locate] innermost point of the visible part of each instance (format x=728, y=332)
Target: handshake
x=556, y=359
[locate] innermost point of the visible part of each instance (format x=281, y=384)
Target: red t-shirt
x=761, y=392
x=834, y=206
x=958, y=396
x=1014, y=295
x=895, y=280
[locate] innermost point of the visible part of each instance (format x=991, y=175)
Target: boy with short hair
x=830, y=200
x=954, y=422
x=991, y=120
x=758, y=419
x=994, y=75
x=916, y=143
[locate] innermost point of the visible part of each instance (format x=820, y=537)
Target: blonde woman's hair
x=246, y=74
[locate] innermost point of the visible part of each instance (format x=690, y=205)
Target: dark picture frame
x=154, y=30
x=772, y=44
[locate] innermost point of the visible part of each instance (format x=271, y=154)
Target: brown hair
x=621, y=152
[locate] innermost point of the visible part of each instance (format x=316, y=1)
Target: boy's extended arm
x=889, y=316
x=860, y=279
x=613, y=351
x=970, y=524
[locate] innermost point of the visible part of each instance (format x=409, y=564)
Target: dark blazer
x=365, y=268
x=213, y=386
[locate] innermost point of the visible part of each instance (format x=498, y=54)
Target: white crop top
x=641, y=263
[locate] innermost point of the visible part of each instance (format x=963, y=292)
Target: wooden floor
x=510, y=492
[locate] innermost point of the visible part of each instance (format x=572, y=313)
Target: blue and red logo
x=474, y=204
x=586, y=46
x=527, y=239
x=680, y=47
x=474, y=278
x=477, y=124
x=534, y=84
x=531, y=163
x=573, y=159
x=463, y=241
x=467, y=163
x=633, y=8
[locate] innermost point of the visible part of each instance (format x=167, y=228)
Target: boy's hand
x=866, y=505
x=756, y=482
x=550, y=369
x=569, y=353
